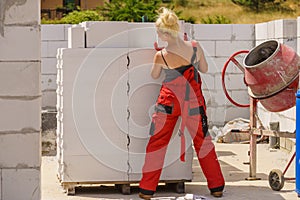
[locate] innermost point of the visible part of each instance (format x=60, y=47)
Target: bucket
x=270, y=68
x=271, y=74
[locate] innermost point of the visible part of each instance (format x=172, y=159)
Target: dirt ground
x=232, y=159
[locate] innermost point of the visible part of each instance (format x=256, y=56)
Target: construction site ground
x=233, y=159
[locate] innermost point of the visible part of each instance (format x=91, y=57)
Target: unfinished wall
x=284, y=31
x=53, y=37
x=20, y=100
x=219, y=43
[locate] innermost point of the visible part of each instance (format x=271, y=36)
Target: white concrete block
x=26, y=155
x=209, y=47
x=219, y=115
x=261, y=31
x=48, y=82
x=20, y=184
x=66, y=27
x=243, y=32
x=44, y=49
x=235, y=82
x=236, y=112
x=106, y=34
x=21, y=13
x=19, y=114
x=141, y=35
x=227, y=48
x=14, y=47
x=208, y=81
x=271, y=30
x=298, y=45
x=240, y=96
x=52, y=47
x=20, y=78
x=53, y=32
x=49, y=99
x=76, y=37
x=213, y=32
x=285, y=28
x=48, y=66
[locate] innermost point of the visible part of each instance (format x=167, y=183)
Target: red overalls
x=180, y=95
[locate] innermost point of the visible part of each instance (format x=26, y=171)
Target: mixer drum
x=271, y=74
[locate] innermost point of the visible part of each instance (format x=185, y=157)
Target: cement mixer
x=271, y=74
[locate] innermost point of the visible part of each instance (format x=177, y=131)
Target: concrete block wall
x=219, y=43
x=54, y=36
x=285, y=32
x=20, y=100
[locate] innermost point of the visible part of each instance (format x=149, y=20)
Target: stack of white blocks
x=285, y=32
x=20, y=100
x=219, y=42
x=105, y=93
x=54, y=36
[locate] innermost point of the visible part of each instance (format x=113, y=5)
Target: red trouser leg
x=156, y=149
x=206, y=154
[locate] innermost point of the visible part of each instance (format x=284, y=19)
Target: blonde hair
x=167, y=22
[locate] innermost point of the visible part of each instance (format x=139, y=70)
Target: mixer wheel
x=276, y=180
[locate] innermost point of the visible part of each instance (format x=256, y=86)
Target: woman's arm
x=157, y=66
x=203, y=66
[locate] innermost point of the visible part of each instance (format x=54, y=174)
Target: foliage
x=130, y=10
x=76, y=17
x=183, y=3
x=260, y=5
x=190, y=19
x=217, y=19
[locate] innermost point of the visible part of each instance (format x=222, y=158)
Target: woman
x=180, y=95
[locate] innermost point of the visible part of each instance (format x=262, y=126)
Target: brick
x=28, y=143
x=76, y=37
x=213, y=32
x=141, y=35
x=261, y=31
x=20, y=184
x=52, y=47
x=208, y=81
x=23, y=12
x=49, y=99
x=48, y=82
x=19, y=114
x=227, y=48
x=209, y=47
x=106, y=34
x=48, y=66
x=285, y=28
x=20, y=78
x=53, y=32
x=271, y=30
x=243, y=31
x=14, y=47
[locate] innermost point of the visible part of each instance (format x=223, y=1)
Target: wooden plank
x=284, y=134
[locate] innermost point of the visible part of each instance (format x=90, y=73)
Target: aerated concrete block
x=49, y=99
x=48, y=66
x=208, y=81
x=236, y=112
x=209, y=47
x=53, y=32
x=21, y=12
x=20, y=44
x=243, y=32
x=76, y=37
x=291, y=42
x=20, y=114
x=20, y=78
x=227, y=48
x=48, y=82
x=261, y=31
x=213, y=32
x=20, y=184
x=141, y=35
x=285, y=28
x=26, y=155
x=106, y=34
x=271, y=30
x=52, y=47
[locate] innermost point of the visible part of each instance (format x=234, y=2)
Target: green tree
x=259, y=5
x=131, y=10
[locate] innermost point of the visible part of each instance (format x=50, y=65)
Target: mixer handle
x=240, y=66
